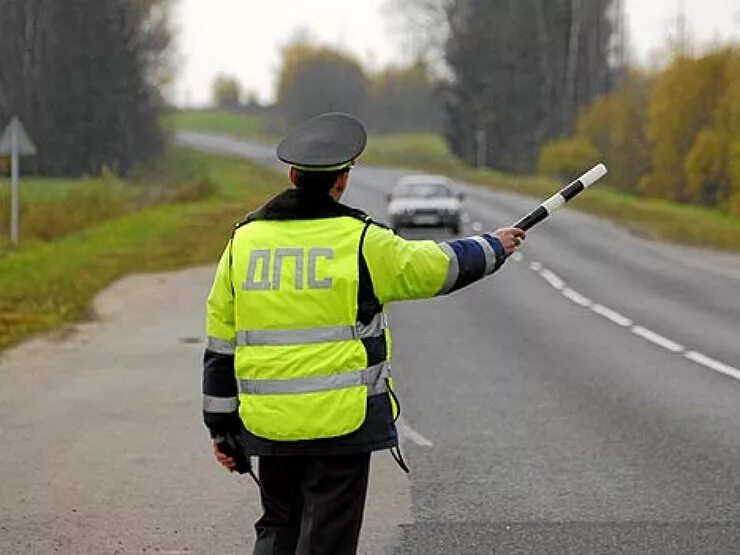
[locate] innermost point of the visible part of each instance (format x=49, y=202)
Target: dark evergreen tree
x=521, y=70
x=82, y=76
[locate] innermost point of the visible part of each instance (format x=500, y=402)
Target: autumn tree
x=712, y=165
x=674, y=136
x=683, y=102
x=728, y=123
x=316, y=79
x=615, y=125
x=226, y=92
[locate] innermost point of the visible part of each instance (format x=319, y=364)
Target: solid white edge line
x=407, y=432
x=658, y=339
x=552, y=278
x=713, y=364
x=577, y=298
x=612, y=315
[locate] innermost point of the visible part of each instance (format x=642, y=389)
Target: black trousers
x=313, y=505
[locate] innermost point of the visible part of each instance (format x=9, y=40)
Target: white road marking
x=465, y=217
x=407, y=432
x=612, y=315
x=477, y=227
x=516, y=257
x=658, y=339
x=552, y=278
x=713, y=364
x=577, y=298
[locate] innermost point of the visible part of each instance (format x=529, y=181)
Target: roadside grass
x=220, y=121
x=651, y=218
x=44, y=285
x=51, y=208
x=418, y=151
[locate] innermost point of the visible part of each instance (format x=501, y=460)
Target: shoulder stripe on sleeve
x=490, y=254
x=453, y=271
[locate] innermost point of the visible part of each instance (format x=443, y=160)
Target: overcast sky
x=243, y=37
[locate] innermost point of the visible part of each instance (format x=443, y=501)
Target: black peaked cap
x=324, y=141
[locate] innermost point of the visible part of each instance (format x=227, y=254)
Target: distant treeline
x=315, y=79
x=83, y=77
x=674, y=135
x=515, y=73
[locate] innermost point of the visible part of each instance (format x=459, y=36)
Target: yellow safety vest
x=285, y=299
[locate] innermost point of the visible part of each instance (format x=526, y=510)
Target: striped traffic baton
x=561, y=197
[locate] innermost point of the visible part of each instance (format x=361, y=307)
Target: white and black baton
x=561, y=197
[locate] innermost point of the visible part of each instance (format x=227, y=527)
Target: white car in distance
x=425, y=201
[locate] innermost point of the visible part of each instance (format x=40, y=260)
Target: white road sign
x=16, y=142
x=25, y=144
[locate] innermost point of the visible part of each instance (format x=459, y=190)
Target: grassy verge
x=52, y=208
x=44, y=285
x=220, y=121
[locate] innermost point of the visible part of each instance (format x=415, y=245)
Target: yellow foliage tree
x=683, y=103
x=226, y=92
x=705, y=168
x=614, y=124
x=728, y=123
x=567, y=158
x=713, y=164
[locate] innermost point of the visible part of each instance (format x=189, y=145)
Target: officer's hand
x=510, y=237
x=227, y=462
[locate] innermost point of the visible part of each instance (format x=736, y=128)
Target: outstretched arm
x=403, y=270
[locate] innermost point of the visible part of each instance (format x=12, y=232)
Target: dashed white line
x=612, y=315
x=465, y=217
x=713, y=364
x=552, y=278
x=516, y=257
x=477, y=227
x=577, y=298
x=658, y=339
x=407, y=432
x=574, y=296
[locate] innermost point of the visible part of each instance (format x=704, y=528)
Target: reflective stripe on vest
x=373, y=377
x=220, y=346
x=313, y=335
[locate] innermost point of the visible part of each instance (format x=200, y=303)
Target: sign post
x=16, y=142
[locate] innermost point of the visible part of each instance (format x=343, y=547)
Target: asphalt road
x=585, y=399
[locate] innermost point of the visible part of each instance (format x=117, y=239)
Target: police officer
x=297, y=370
